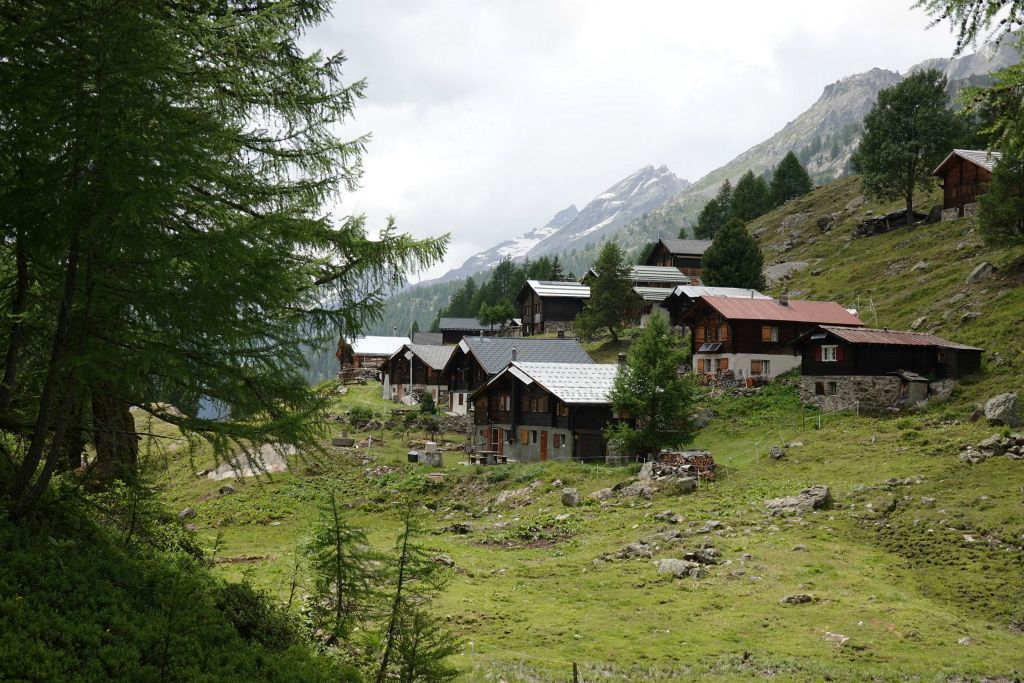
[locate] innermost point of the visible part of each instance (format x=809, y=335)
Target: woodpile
x=699, y=463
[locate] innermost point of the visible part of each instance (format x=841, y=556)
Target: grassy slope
x=905, y=580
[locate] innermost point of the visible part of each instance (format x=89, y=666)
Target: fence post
x=575, y=673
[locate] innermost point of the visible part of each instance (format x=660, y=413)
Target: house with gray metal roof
x=685, y=255
x=534, y=412
x=548, y=305
x=454, y=329
x=416, y=369
x=477, y=359
x=965, y=173
x=368, y=352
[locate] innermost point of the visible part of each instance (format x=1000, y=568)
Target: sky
x=489, y=116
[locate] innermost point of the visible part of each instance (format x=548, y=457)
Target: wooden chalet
x=683, y=297
x=685, y=255
x=368, y=352
x=877, y=368
x=741, y=337
x=417, y=367
x=454, y=329
x=477, y=359
x=964, y=174
x=546, y=305
x=534, y=412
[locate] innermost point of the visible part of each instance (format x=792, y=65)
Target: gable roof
x=656, y=294
x=979, y=157
x=377, y=346
x=820, y=312
x=462, y=325
x=435, y=338
x=432, y=355
x=494, y=353
x=575, y=383
x=884, y=337
x=552, y=288
x=667, y=274
x=686, y=247
x=696, y=292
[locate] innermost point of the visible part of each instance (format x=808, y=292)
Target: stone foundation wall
x=875, y=392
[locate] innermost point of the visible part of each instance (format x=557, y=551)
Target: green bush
x=427, y=405
x=359, y=416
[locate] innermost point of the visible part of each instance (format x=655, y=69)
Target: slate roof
x=820, y=312
x=689, y=247
x=883, y=337
x=462, y=325
x=377, y=346
x=696, y=292
x=435, y=338
x=494, y=353
x=434, y=356
x=576, y=383
x=666, y=274
x=569, y=290
x=657, y=294
x=983, y=158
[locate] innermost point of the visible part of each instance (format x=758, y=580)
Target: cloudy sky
x=488, y=116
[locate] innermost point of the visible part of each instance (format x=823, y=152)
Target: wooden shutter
x=839, y=353
x=698, y=334
x=524, y=436
x=723, y=332
x=766, y=333
x=817, y=353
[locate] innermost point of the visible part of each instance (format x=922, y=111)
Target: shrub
x=359, y=416
x=427, y=405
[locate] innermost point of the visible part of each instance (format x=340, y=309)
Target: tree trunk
x=18, y=307
x=117, y=444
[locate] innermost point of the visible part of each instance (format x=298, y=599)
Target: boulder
x=227, y=489
x=677, y=568
x=812, y=498
x=570, y=498
x=798, y=599
x=685, y=485
x=1003, y=410
x=825, y=222
x=855, y=203
x=794, y=220
x=838, y=639
x=647, y=471
x=633, y=551
x=993, y=445
x=776, y=453
x=702, y=556
x=698, y=572
x=443, y=560
x=980, y=272
x=187, y=513
x=702, y=417
x=461, y=528
x=641, y=488
x=602, y=494
x=920, y=265
x=916, y=325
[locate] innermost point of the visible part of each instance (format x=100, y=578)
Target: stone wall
x=873, y=392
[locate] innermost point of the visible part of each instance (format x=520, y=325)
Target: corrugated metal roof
x=686, y=247
x=979, y=157
x=570, y=290
x=666, y=274
x=462, y=325
x=696, y=292
x=435, y=338
x=494, y=353
x=577, y=383
x=820, y=312
x=867, y=335
x=658, y=294
x=377, y=346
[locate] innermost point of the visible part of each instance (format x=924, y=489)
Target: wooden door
x=543, y=446
x=501, y=441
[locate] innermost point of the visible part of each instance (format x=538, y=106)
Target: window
x=833, y=388
x=760, y=367
x=563, y=410
x=533, y=436
x=828, y=354
x=558, y=440
x=819, y=388
x=461, y=397
x=721, y=364
x=769, y=333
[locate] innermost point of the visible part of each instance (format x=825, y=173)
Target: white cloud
x=488, y=117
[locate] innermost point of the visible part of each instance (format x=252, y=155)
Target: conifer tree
x=715, y=213
x=612, y=304
x=751, y=198
x=556, y=270
x=789, y=181
x=908, y=131
x=734, y=259
x=650, y=393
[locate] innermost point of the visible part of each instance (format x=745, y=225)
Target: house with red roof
x=750, y=337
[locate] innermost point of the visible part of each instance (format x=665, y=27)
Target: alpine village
x=768, y=424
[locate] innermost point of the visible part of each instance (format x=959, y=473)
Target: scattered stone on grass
x=268, y=458
x=799, y=548
x=640, y=488
x=227, y=489
x=518, y=497
x=980, y=272
x=676, y=567
x=602, y=494
x=812, y=498
x=443, y=560
x=634, y=551
x=570, y=497
x=1003, y=410
x=460, y=528
x=776, y=453
x=798, y=599
x=187, y=513
x=837, y=639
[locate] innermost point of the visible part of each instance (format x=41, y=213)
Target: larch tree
x=908, y=131
x=750, y=198
x=789, y=181
x=166, y=178
x=715, y=213
x=734, y=259
x=612, y=304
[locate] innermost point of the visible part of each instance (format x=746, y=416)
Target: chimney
x=784, y=299
x=622, y=360
x=514, y=354
x=561, y=332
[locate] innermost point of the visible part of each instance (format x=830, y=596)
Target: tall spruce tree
x=734, y=259
x=751, y=197
x=715, y=213
x=789, y=181
x=612, y=304
x=907, y=133
x=165, y=177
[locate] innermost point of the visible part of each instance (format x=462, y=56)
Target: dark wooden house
x=679, y=301
x=752, y=337
x=964, y=174
x=533, y=412
x=422, y=367
x=843, y=366
x=368, y=352
x=454, y=329
x=477, y=359
x=547, y=305
x=686, y=255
